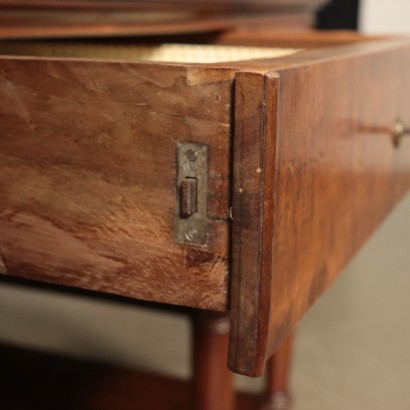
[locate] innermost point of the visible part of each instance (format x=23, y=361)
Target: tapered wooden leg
x=278, y=373
x=212, y=381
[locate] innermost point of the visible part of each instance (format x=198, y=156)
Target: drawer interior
x=173, y=53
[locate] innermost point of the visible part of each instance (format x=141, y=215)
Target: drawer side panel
x=87, y=181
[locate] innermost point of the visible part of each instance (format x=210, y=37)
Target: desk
x=304, y=155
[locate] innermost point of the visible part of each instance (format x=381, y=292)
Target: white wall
x=385, y=16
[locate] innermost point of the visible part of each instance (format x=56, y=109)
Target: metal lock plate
x=192, y=186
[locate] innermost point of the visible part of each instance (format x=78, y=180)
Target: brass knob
x=399, y=131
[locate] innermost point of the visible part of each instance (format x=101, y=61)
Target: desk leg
x=278, y=372
x=212, y=381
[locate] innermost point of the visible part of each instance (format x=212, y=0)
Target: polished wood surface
x=96, y=18
x=88, y=177
x=213, y=382
x=252, y=215
x=72, y=24
x=314, y=175
x=278, y=376
x=163, y=4
x=90, y=148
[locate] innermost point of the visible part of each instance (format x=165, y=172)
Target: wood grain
x=87, y=185
x=88, y=177
x=163, y=4
x=254, y=155
x=72, y=24
x=328, y=174
x=96, y=18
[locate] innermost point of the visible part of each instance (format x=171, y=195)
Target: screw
x=190, y=234
x=192, y=155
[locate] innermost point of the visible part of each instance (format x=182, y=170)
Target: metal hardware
x=192, y=155
x=191, y=186
x=189, y=197
x=399, y=131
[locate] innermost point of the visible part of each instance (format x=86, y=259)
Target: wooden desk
x=287, y=164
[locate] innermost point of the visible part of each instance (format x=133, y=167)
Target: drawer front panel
x=321, y=175
x=88, y=176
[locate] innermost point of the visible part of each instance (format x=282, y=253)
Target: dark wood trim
x=252, y=225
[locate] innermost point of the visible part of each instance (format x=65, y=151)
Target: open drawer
x=242, y=182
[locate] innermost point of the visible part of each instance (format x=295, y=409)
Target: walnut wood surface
x=315, y=172
x=164, y=4
x=213, y=387
x=252, y=216
x=87, y=185
x=70, y=24
x=90, y=150
x=96, y=18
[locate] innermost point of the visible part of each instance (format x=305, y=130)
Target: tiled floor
x=352, y=349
